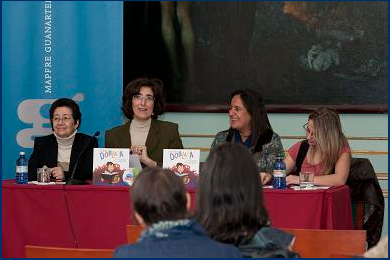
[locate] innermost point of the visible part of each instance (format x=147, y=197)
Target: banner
x=58, y=49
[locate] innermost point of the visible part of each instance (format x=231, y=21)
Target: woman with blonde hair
x=325, y=152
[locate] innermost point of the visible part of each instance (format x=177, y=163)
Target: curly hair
x=133, y=88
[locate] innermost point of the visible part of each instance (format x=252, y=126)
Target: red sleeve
x=346, y=149
x=293, y=150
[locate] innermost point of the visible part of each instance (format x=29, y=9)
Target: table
x=91, y=216
x=310, y=209
x=35, y=216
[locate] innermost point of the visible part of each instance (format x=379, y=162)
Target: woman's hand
x=292, y=179
x=57, y=173
x=141, y=151
x=265, y=177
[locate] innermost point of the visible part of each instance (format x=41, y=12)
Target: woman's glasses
x=305, y=126
x=64, y=119
x=140, y=98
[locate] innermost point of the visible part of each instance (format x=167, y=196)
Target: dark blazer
x=46, y=150
x=162, y=135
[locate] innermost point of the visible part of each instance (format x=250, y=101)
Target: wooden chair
x=62, y=252
x=133, y=233
x=316, y=243
x=341, y=255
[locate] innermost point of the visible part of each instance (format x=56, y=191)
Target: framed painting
x=298, y=54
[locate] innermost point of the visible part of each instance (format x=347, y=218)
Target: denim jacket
x=269, y=242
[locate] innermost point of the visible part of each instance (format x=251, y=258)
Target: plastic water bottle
x=279, y=181
x=22, y=169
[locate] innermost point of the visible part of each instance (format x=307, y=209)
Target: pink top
x=306, y=166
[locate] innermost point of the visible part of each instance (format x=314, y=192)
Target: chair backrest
x=341, y=255
x=62, y=252
x=133, y=233
x=317, y=243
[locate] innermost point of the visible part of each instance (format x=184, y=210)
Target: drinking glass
x=306, y=180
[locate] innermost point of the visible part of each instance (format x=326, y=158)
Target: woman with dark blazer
x=144, y=134
x=60, y=150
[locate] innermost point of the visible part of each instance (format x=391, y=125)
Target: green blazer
x=162, y=135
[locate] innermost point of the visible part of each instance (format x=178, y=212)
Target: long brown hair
x=230, y=201
x=328, y=136
x=260, y=126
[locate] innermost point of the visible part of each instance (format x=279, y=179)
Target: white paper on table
x=296, y=187
x=46, y=183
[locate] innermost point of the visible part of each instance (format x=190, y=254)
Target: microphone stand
x=71, y=180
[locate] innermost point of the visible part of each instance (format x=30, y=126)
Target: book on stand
x=184, y=163
x=110, y=166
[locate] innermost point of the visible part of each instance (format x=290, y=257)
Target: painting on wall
x=297, y=54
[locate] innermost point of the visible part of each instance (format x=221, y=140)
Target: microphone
x=71, y=180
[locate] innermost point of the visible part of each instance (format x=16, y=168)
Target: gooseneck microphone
x=71, y=180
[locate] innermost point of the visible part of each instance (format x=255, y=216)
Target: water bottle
x=279, y=181
x=22, y=169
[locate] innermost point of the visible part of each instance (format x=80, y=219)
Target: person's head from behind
x=324, y=132
x=230, y=203
x=65, y=117
x=247, y=113
x=143, y=99
x=158, y=195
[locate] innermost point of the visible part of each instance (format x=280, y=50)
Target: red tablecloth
x=95, y=216
x=313, y=209
x=33, y=215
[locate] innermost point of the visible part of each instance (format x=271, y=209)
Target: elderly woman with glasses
x=146, y=136
x=60, y=151
x=325, y=152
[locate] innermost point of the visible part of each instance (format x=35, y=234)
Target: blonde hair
x=328, y=136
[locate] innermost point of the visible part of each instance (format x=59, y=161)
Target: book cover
x=110, y=165
x=184, y=163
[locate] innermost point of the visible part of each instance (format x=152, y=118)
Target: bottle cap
x=22, y=153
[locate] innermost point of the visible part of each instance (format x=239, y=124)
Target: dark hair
x=261, y=128
x=158, y=194
x=134, y=87
x=66, y=102
x=109, y=163
x=230, y=204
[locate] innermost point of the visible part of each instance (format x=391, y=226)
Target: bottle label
x=279, y=173
x=20, y=169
